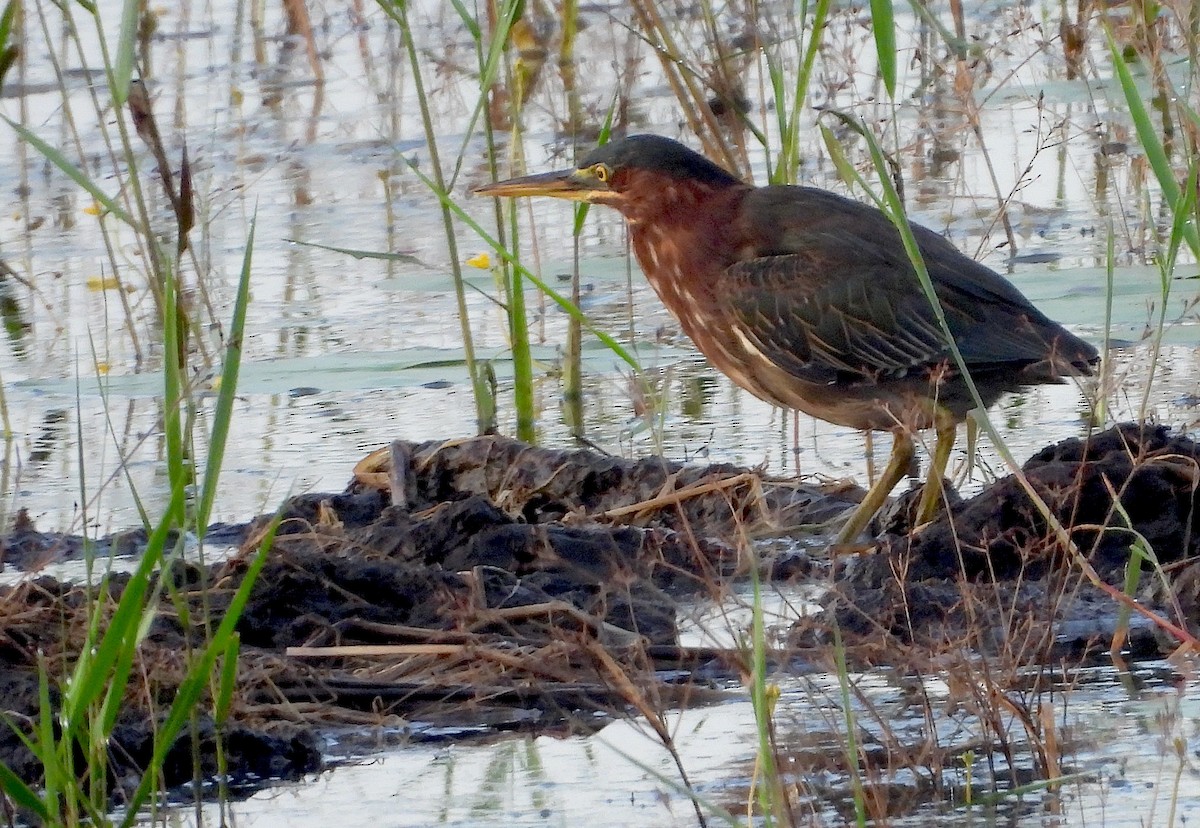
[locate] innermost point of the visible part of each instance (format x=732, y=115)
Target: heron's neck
x=685, y=233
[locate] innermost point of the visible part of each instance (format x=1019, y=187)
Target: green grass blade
x=173, y=392
x=223, y=414
x=1181, y=220
x=115, y=694
x=468, y=20
x=22, y=795
x=398, y=12
x=852, y=758
x=122, y=72
x=789, y=121
x=883, y=24
x=47, y=749
x=1152, y=145
x=1110, y=266
x=6, y=23
x=192, y=688
x=581, y=209
x=88, y=680
x=8, y=54
x=522, y=356
x=762, y=704
x=776, y=80
x=572, y=362
x=224, y=695
x=71, y=171
x=501, y=251
x=507, y=14
x=845, y=170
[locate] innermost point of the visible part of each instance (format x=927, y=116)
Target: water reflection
x=622, y=776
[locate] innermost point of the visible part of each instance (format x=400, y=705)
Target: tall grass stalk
x=518, y=318
x=852, y=758
x=572, y=367
x=573, y=357
x=493, y=68
x=1182, y=209
x=398, y=12
x=496, y=70
x=1149, y=139
x=1106, y=369
x=75, y=726
x=763, y=696
x=787, y=167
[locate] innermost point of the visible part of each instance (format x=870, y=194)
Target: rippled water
x=331, y=339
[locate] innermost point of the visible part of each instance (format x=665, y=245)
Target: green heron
x=808, y=300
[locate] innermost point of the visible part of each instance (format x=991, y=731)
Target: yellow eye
x=601, y=172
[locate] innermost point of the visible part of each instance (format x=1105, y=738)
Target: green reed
x=497, y=74
x=79, y=709
x=398, y=12
x=786, y=168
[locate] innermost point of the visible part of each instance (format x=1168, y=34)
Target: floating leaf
x=103, y=283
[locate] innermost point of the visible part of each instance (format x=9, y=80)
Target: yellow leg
x=972, y=444
x=932, y=492
x=869, y=438
x=897, y=467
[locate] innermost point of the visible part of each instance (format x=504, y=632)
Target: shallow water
x=334, y=344
x=623, y=776
x=344, y=354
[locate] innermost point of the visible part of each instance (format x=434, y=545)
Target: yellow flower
x=483, y=261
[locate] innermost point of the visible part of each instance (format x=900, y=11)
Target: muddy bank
x=994, y=574
x=464, y=588
x=454, y=589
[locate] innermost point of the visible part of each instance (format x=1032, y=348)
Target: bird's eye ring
x=601, y=172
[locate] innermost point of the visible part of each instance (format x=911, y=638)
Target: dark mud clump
x=484, y=585
x=992, y=571
x=1141, y=477
x=453, y=588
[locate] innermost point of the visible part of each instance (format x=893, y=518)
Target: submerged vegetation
x=219, y=214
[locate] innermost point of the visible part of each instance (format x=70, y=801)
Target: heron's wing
x=831, y=330
x=837, y=300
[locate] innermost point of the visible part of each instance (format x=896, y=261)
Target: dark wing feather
x=833, y=298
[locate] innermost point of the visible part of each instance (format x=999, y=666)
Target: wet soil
x=485, y=585
x=992, y=571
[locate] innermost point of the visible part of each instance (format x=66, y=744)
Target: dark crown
x=654, y=152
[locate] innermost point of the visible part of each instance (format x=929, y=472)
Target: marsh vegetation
x=240, y=254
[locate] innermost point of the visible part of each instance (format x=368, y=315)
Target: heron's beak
x=576, y=185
